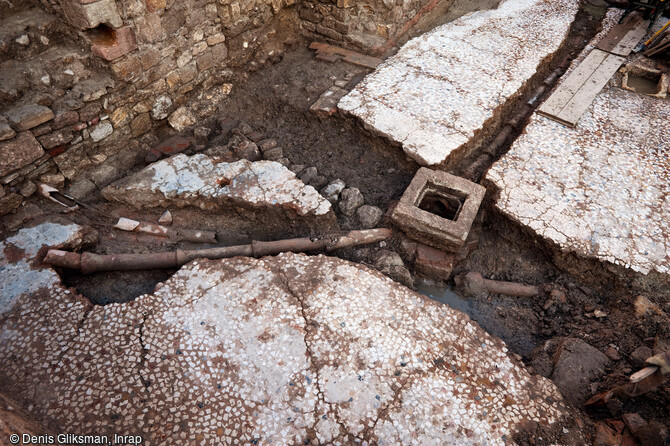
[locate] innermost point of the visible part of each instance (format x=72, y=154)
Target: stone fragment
x=86, y=16
x=267, y=144
x=181, y=119
x=81, y=189
x=350, y=200
x=201, y=134
x=161, y=107
x=19, y=152
x=6, y=131
x=23, y=215
x=28, y=116
x=633, y=422
x=654, y=434
x=318, y=181
x=275, y=154
x=65, y=118
x=308, y=174
x=57, y=138
x=247, y=150
x=27, y=189
x=141, y=124
x=56, y=180
x=23, y=40
x=166, y=218
x=72, y=162
x=390, y=263
x=104, y=174
x=369, y=216
x=155, y=5
x=200, y=181
x=332, y=191
x=10, y=202
x=576, y=364
x=640, y=355
x=101, y=131
x=606, y=436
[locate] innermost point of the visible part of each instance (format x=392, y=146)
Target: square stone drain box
x=438, y=209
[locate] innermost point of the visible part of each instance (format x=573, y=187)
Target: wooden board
x=625, y=36
x=571, y=99
x=329, y=51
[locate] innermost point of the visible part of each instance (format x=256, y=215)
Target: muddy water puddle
x=490, y=315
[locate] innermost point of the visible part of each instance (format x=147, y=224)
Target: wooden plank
x=619, y=31
x=630, y=41
x=348, y=55
x=587, y=93
x=567, y=90
x=658, y=48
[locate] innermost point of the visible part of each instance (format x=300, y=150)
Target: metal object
x=89, y=263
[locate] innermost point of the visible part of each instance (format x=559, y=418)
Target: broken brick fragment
x=433, y=263
x=122, y=42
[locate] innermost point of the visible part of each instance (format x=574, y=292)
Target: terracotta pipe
x=89, y=263
x=473, y=282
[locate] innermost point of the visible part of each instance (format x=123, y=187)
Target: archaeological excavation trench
x=300, y=222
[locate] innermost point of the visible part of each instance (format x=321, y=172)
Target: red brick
x=56, y=151
x=121, y=42
x=173, y=145
x=433, y=263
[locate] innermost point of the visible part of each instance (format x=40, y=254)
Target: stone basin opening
x=646, y=81
x=443, y=202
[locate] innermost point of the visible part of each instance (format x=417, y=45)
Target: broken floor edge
x=565, y=256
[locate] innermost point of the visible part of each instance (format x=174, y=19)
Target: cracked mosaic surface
x=441, y=87
x=283, y=350
x=17, y=275
x=601, y=189
x=200, y=180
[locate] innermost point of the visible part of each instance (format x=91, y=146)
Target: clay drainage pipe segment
x=473, y=283
x=89, y=263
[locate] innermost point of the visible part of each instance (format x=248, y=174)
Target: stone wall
x=83, y=82
x=372, y=26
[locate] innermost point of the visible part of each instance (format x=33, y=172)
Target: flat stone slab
x=201, y=181
x=601, y=189
x=436, y=94
x=281, y=350
x=19, y=152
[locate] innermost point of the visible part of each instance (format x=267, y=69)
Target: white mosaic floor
x=437, y=92
x=601, y=189
x=283, y=350
x=203, y=181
